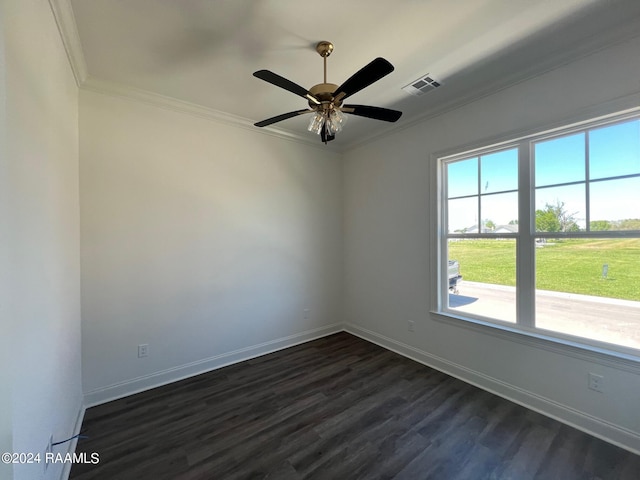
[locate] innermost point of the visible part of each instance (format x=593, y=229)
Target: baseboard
x=66, y=470
x=599, y=428
x=164, y=377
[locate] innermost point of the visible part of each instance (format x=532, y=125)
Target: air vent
x=422, y=85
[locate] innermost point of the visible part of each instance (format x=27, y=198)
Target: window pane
x=615, y=150
x=463, y=215
x=560, y=160
x=462, y=178
x=499, y=212
x=589, y=288
x=615, y=204
x=488, y=268
x=560, y=209
x=499, y=171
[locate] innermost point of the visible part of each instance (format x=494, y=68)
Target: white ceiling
x=204, y=51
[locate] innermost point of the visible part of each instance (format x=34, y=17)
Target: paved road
x=609, y=320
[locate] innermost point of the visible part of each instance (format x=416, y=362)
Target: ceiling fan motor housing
x=324, y=93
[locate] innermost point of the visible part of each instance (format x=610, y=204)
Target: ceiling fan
x=325, y=99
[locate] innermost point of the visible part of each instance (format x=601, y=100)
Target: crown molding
x=66, y=22
x=581, y=50
x=180, y=106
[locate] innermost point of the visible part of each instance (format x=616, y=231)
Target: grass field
x=573, y=266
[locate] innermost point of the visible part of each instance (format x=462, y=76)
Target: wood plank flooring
x=335, y=408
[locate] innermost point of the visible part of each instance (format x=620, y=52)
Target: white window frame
x=524, y=328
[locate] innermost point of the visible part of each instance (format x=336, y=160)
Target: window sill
x=602, y=356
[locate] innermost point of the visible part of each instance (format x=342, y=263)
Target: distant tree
x=489, y=224
x=571, y=227
x=629, y=224
x=513, y=222
x=555, y=218
x=547, y=221
x=567, y=220
x=600, y=225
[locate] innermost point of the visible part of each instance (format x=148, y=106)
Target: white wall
x=6, y=322
x=204, y=240
x=388, y=249
x=40, y=236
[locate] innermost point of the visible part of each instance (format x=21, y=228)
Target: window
x=545, y=232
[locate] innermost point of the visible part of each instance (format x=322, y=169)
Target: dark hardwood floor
x=335, y=408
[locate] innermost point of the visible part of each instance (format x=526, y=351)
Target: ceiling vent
x=422, y=85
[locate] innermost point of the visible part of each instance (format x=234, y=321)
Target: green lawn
x=573, y=266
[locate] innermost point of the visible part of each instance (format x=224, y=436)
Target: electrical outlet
x=411, y=326
x=306, y=313
x=143, y=350
x=596, y=382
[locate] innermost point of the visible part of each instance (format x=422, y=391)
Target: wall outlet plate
x=143, y=350
x=596, y=382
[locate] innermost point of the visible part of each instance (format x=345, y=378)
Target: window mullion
x=525, y=245
x=587, y=185
x=443, y=211
x=479, y=206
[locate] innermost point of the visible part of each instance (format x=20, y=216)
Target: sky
x=613, y=150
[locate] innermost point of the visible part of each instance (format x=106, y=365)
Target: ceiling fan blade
x=377, y=113
x=288, y=85
x=364, y=77
x=279, y=118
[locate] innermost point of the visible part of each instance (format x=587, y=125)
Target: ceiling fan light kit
x=326, y=99
x=334, y=121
